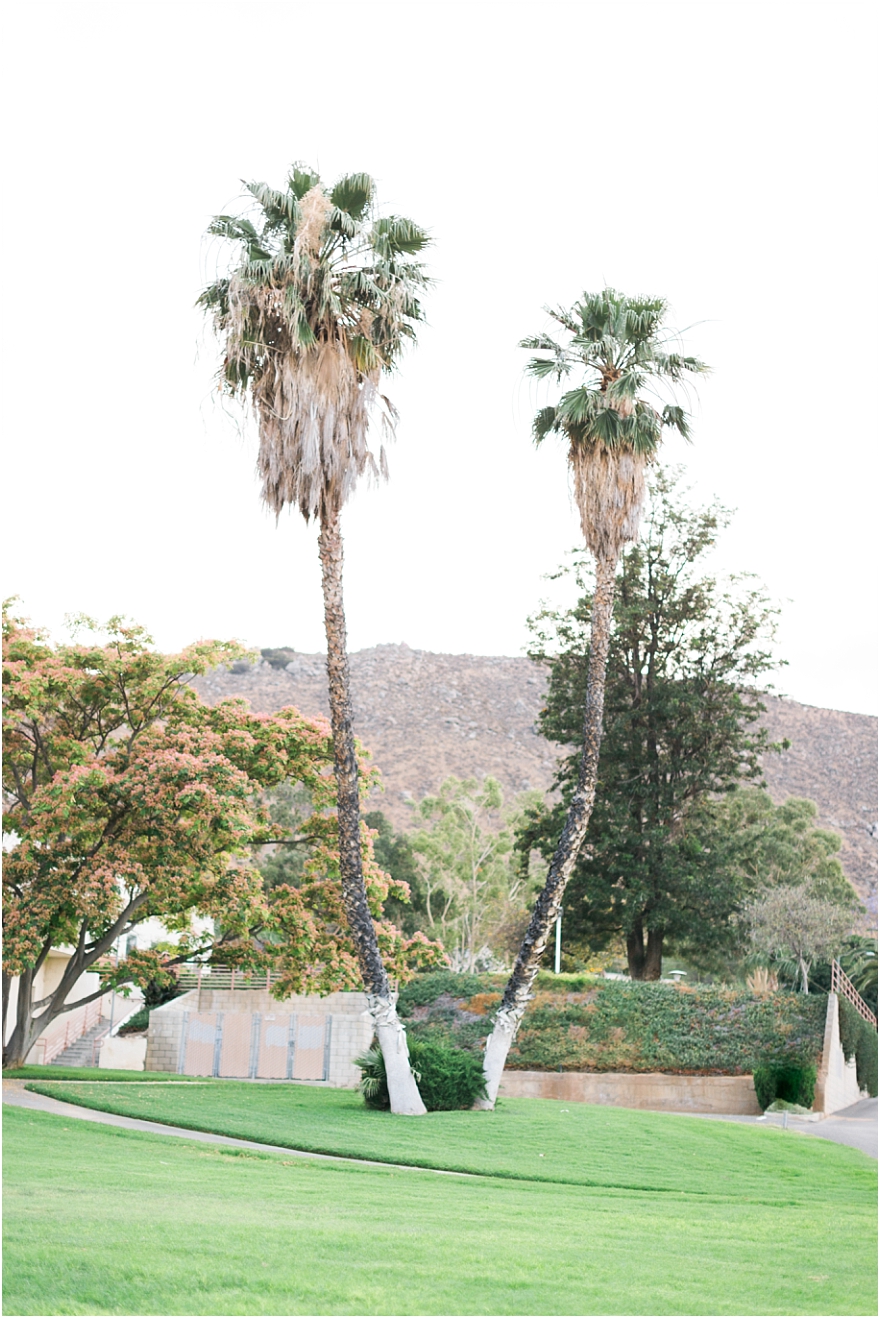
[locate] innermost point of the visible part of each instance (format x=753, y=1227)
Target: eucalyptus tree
x=322, y=297
x=615, y=352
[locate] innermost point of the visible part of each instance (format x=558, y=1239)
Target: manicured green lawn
x=535, y=1139
x=91, y=1073
x=101, y=1221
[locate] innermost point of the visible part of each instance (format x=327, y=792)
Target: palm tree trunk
x=402, y=1088
x=549, y=903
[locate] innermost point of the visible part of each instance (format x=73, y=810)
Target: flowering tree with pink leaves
x=128, y=798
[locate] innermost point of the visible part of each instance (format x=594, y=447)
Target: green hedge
x=791, y=1083
x=602, y=1025
x=858, y=1039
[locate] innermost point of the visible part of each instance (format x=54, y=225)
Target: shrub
x=448, y=1078
x=139, y=1021
x=786, y=1081
x=279, y=656
x=866, y=1060
x=858, y=1039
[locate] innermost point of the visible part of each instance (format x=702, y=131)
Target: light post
x=558, y=942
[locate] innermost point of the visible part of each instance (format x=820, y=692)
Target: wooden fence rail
x=842, y=985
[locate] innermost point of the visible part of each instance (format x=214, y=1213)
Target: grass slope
x=104, y=1221
x=92, y=1073
x=524, y=1138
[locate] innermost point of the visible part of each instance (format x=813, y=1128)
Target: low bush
x=786, y=1081
x=448, y=1078
x=858, y=1039
x=139, y=1021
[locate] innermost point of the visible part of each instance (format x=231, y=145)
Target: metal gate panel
x=309, y=1051
x=201, y=1034
x=235, y=1050
x=272, y=1054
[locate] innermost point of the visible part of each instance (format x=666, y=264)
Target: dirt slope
x=425, y=716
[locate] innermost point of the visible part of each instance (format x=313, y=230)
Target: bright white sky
x=719, y=154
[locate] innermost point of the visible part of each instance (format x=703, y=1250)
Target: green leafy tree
x=682, y=728
x=618, y=352
x=780, y=844
x=790, y=921
x=283, y=859
x=128, y=798
x=469, y=890
x=322, y=297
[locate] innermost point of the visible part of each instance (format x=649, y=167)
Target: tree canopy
x=682, y=726
x=322, y=296
x=128, y=798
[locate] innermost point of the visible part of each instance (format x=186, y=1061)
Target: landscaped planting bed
x=581, y=1023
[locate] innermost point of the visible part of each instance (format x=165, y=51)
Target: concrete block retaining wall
x=347, y=1029
x=655, y=1091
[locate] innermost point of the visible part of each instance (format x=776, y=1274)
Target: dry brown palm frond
x=609, y=489
x=314, y=410
x=313, y=404
x=314, y=208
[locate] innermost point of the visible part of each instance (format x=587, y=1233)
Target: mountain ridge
x=425, y=716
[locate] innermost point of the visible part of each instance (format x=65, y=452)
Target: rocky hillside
x=425, y=716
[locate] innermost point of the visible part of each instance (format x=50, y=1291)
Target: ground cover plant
x=175, y=1227
x=584, y=1023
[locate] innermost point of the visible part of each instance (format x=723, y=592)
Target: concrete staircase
x=85, y=1050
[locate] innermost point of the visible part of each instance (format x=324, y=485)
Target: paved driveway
x=855, y=1126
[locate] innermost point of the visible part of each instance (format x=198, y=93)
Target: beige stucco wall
x=836, y=1083
x=727, y=1094
x=123, y=1053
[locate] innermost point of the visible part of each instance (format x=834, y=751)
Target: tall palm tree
x=322, y=299
x=619, y=346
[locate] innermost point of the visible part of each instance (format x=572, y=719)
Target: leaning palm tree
x=613, y=432
x=321, y=300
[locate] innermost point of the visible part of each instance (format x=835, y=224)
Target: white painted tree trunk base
x=495, y=1057
x=406, y=1101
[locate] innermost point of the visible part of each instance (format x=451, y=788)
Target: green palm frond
x=281, y=209
x=301, y=180
x=545, y=421
x=617, y=343
x=353, y=194
x=322, y=296
x=393, y=235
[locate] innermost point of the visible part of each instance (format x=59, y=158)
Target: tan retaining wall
x=732, y=1095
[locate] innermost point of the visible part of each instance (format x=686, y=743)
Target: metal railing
x=224, y=977
x=842, y=985
x=66, y=1030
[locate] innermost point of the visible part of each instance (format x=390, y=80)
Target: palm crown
x=619, y=344
x=323, y=298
